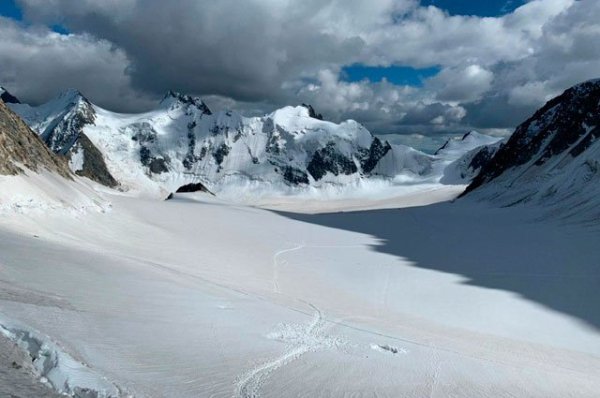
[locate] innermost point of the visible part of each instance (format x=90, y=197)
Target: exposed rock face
x=173, y=97
x=21, y=148
x=92, y=163
x=552, y=157
x=376, y=152
x=312, y=113
x=330, y=160
x=7, y=97
x=193, y=187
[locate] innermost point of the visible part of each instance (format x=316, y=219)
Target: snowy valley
x=401, y=287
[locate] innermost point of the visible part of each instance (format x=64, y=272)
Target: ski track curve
x=299, y=339
x=276, y=264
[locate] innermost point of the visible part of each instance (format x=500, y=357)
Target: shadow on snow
x=557, y=266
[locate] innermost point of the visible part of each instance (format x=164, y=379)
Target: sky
x=405, y=67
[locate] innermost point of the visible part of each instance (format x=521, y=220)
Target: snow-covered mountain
x=34, y=178
x=60, y=124
x=456, y=147
x=553, y=158
x=183, y=142
x=464, y=169
x=461, y=158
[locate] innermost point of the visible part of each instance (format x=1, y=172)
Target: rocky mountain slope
x=553, y=158
x=21, y=148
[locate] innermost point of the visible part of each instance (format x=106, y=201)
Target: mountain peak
x=71, y=93
x=68, y=98
x=174, y=96
x=7, y=97
x=470, y=134
x=468, y=141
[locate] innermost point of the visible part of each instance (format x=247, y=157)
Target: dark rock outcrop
x=193, y=187
x=7, y=97
x=94, y=167
x=312, y=113
x=294, y=176
x=328, y=159
x=188, y=100
x=375, y=153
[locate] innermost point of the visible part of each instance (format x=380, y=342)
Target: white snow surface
x=199, y=297
x=32, y=192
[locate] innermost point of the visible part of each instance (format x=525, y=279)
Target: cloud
x=260, y=54
x=461, y=84
x=38, y=63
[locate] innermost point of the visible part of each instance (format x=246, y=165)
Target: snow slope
x=195, y=297
x=464, y=169
x=551, y=160
x=456, y=147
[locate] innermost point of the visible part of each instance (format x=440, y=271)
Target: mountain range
x=182, y=142
x=551, y=159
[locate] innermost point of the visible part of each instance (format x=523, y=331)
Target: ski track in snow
x=276, y=265
x=299, y=340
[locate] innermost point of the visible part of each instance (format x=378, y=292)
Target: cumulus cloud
x=260, y=54
x=461, y=84
x=38, y=63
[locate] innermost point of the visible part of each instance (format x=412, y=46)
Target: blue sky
x=486, y=8
x=482, y=8
x=399, y=75
x=8, y=8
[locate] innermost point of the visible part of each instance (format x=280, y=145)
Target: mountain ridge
x=182, y=141
x=552, y=159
